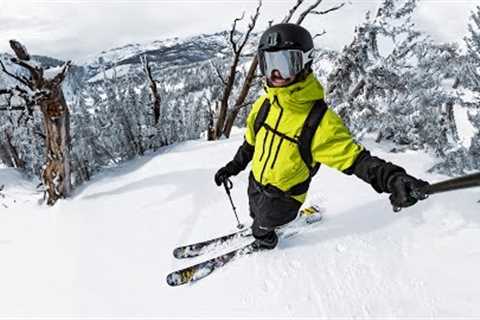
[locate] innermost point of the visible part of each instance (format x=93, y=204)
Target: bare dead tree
x=156, y=98
x=251, y=75
x=237, y=47
x=46, y=92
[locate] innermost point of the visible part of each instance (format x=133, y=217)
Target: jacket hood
x=298, y=96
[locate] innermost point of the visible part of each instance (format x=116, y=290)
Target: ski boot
x=266, y=242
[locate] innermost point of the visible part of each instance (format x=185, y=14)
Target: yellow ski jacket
x=276, y=160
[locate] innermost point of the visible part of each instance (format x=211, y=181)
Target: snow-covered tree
x=473, y=38
x=471, y=78
x=392, y=81
x=41, y=89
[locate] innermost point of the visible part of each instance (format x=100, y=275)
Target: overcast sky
x=76, y=28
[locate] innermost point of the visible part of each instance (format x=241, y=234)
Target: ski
x=200, y=248
x=203, y=269
x=307, y=215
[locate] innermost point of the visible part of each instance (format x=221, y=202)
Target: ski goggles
x=288, y=62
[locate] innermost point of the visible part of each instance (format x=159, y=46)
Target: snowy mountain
x=175, y=53
x=164, y=54
x=108, y=249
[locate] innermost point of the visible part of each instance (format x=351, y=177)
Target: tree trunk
x=56, y=173
x=47, y=93
x=230, y=121
x=356, y=91
x=226, y=94
x=15, y=159
x=5, y=155
x=156, y=99
x=241, y=98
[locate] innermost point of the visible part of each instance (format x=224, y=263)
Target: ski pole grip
x=227, y=183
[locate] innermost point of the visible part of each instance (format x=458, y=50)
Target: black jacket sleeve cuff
x=375, y=171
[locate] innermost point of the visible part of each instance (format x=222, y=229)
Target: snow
x=466, y=130
x=116, y=71
x=115, y=55
x=51, y=73
x=107, y=250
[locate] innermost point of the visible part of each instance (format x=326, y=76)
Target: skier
x=290, y=131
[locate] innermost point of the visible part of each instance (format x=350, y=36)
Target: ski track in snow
x=106, y=251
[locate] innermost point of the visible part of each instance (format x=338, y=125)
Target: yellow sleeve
x=250, y=132
x=333, y=144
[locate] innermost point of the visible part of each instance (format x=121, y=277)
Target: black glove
x=222, y=175
x=406, y=190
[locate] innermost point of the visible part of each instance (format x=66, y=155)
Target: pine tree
x=472, y=79
x=473, y=38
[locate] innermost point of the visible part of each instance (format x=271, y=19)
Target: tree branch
x=20, y=50
x=59, y=77
x=219, y=74
x=329, y=10
x=251, y=26
x=22, y=94
x=19, y=79
x=292, y=11
x=304, y=14
x=311, y=10
x=12, y=108
x=33, y=70
x=232, y=33
x=319, y=34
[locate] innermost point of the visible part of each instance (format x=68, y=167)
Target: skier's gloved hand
x=406, y=190
x=222, y=175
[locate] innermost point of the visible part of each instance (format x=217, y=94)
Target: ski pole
x=468, y=181
x=227, y=183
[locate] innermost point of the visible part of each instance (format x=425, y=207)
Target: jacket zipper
x=276, y=153
x=272, y=140
x=264, y=141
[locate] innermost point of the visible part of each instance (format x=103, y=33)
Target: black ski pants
x=269, y=208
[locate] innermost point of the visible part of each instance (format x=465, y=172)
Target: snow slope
x=106, y=251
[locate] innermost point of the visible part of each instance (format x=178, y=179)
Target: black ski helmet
x=285, y=36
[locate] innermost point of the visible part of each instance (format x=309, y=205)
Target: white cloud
x=76, y=28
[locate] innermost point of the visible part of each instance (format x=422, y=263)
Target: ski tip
x=179, y=253
x=178, y=278
x=185, y=253
x=172, y=281
x=189, y=275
